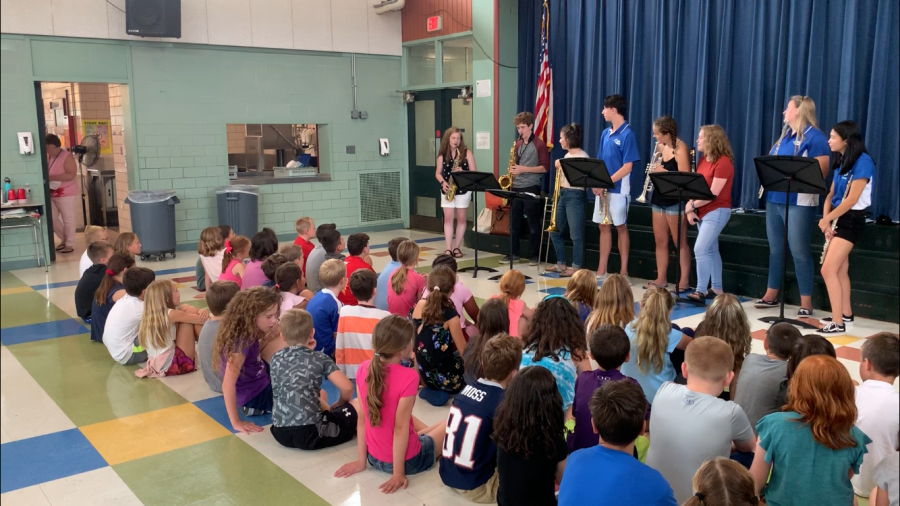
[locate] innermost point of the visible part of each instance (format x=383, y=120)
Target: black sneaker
x=515, y=258
x=833, y=328
x=804, y=313
x=847, y=319
x=252, y=411
x=763, y=304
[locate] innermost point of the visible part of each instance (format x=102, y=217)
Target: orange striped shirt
x=353, y=344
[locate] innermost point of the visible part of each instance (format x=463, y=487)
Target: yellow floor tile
x=18, y=289
x=843, y=340
x=147, y=434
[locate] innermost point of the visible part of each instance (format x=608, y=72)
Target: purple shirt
x=253, y=275
x=585, y=385
x=253, y=378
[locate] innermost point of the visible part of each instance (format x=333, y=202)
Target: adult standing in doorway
x=532, y=161
x=63, y=192
x=454, y=157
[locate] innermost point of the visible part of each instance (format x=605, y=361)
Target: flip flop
x=66, y=249
x=457, y=253
x=61, y=247
x=697, y=297
x=448, y=252
x=568, y=273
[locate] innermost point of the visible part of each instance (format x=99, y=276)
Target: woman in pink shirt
x=387, y=393
x=63, y=192
x=407, y=285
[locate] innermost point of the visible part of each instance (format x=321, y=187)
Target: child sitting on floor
x=652, y=340
x=263, y=245
x=110, y=290
x=758, y=386
x=301, y=417
x=689, y=424
x=725, y=318
x=168, y=331
x=325, y=307
x=582, y=292
x=270, y=266
x=390, y=438
x=218, y=295
x=608, y=473
x=528, y=431
x=353, y=341
x=493, y=319
x=306, y=231
x=512, y=286
x=556, y=342
x=236, y=251
x=462, y=297
x=99, y=253
x=289, y=282
x=121, y=332
x=358, y=247
x=128, y=244
x=92, y=234
x=615, y=304
x=807, y=453
x=610, y=348
x=249, y=326
x=723, y=482
x=807, y=346
x=211, y=249
x=293, y=254
x=325, y=234
x=439, y=339
x=406, y=284
x=469, y=462
x=384, y=278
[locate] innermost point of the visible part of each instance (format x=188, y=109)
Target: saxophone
x=506, y=180
x=648, y=184
x=833, y=227
x=451, y=190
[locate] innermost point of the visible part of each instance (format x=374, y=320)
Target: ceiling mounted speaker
x=153, y=18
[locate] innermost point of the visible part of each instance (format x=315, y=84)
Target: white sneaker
x=600, y=278
x=833, y=328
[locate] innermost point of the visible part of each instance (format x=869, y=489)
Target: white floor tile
x=93, y=488
x=28, y=496
x=190, y=386
x=25, y=409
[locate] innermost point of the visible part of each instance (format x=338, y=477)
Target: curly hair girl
x=615, y=304
x=725, y=318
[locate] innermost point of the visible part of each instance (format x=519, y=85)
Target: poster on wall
x=100, y=128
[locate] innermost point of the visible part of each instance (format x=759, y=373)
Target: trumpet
x=648, y=184
x=451, y=190
x=506, y=180
x=604, y=208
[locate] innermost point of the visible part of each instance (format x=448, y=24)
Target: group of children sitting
x=578, y=400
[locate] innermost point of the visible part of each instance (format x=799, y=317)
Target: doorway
x=88, y=120
x=428, y=117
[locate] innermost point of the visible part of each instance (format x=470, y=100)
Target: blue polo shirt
x=812, y=145
x=325, y=310
x=864, y=168
x=384, y=281
x=616, y=149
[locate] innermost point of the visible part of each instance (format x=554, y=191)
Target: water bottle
x=7, y=185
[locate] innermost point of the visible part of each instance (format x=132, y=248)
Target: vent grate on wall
x=379, y=197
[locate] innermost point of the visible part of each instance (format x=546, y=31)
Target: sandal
x=697, y=297
x=652, y=284
x=61, y=247
x=457, y=253
x=66, y=249
x=568, y=273
x=448, y=252
x=552, y=268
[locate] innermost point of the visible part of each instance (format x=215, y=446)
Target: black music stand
x=471, y=181
x=512, y=196
x=789, y=174
x=681, y=186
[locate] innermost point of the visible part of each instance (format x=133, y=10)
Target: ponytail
x=287, y=276
x=375, y=381
x=398, y=279
x=391, y=335
x=117, y=264
x=441, y=281
x=512, y=285
x=651, y=330
x=408, y=255
x=232, y=247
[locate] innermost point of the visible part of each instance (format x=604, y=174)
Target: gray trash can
x=153, y=220
x=238, y=207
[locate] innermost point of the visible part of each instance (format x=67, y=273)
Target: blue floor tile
x=163, y=272
x=45, y=458
x=50, y=286
x=556, y=290
x=215, y=408
x=418, y=241
x=42, y=331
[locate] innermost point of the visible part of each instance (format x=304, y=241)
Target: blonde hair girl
x=582, y=292
x=236, y=251
x=615, y=305
x=168, y=331
x=211, y=248
x=512, y=286
x=652, y=340
x=387, y=394
x=249, y=326
x=407, y=285
x=725, y=319
x=128, y=244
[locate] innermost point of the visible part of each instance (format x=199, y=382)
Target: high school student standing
x=453, y=157
x=850, y=196
x=800, y=137
x=569, y=206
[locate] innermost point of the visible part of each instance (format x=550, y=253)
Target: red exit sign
x=434, y=23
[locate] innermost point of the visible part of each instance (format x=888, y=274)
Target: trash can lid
x=149, y=196
x=252, y=189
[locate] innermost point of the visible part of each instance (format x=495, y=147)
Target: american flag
x=543, y=107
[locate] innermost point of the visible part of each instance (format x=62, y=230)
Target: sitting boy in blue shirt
x=608, y=473
x=325, y=307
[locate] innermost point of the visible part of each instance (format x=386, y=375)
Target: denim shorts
x=419, y=463
x=667, y=210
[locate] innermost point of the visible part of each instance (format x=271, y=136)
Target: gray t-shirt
x=686, y=429
x=205, y=343
x=297, y=374
x=886, y=477
x=528, y=157
x=757, y=387
x=314, y=262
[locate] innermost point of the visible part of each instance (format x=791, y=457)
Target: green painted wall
x=182, y=96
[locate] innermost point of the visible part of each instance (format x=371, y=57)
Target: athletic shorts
x=335, y=427
x=618, y=208
x=181, y=364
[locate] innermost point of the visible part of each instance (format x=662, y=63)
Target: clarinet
x=834, y=224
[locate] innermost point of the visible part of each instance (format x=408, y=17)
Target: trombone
x=557, y=188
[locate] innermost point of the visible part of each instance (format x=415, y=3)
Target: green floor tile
x=197, y=303
x=28, y=308
x=223, y=471
x=87, y=384
x=9, y=280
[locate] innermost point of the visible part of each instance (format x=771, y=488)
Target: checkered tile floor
x=79, y=429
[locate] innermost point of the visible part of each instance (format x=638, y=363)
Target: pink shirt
x=400, y=382
x=57, y=168
x=227, y=275
x=460, y=296
x=289, y=300
x=400, y=304
x=253, y=275
x=516, y=306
